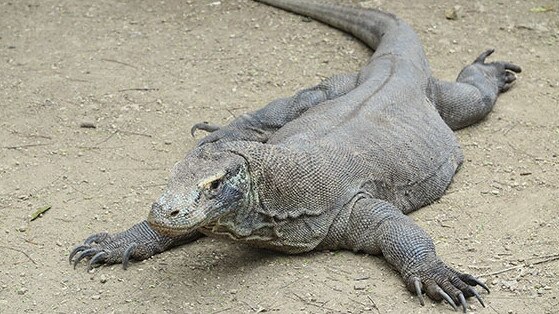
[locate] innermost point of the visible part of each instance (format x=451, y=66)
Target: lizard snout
x=166, y=219
x=156, y=207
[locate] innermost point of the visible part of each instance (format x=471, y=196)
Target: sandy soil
x=143, y=72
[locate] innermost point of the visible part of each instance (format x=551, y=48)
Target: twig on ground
x=134, y=133
x=20, y=251
x=30, y=135
x=374, y=304
x=223, y=310
x=119, y=62
x=550, y=258
x=24, y=146
x=145, y=89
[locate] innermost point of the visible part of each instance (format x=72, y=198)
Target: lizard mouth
x=168, y=230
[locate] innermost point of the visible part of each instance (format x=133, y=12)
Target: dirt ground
x=143, y=72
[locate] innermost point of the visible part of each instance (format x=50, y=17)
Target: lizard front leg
x=137, y=243
x=376, y=227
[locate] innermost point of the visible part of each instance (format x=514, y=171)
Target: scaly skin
x=336, y=166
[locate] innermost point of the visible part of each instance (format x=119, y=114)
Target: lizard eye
x=211, y=185
x=215, y=185
x=213, y=188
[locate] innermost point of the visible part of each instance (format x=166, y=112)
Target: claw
x=512, y=67
x=76, y=250
x=99, y=257
x=417, y=284
x=83, y=255
x=126, y=255
x=509, y=77
x=484, y=55
x=478, y=297
x=446, y=297
x=96, y=238
x=204, y=126
x=463, y=301
x=473, y=281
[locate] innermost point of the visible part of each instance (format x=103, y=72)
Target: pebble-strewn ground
x=142, y=72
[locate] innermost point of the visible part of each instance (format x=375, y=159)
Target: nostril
x=174, y=213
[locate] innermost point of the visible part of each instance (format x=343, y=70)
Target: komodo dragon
x=336, y=166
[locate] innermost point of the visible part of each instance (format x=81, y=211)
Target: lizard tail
x=375, y=28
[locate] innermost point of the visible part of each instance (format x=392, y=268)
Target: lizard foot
x=102, y=248
x=503, y=73
x=441, y=282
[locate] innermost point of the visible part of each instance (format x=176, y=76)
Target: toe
x=484, y=55
x=510, y=77
x=446, y=297
x=96, y=238
x=511, y=67
x=84, y=254
x=126, y=257
x=473, y=281
x=98, y=258
x=463, y=302
x=77, y=250
x=418, y=290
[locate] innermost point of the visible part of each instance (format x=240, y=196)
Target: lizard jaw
x=167, y=230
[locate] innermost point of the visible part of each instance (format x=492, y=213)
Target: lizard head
x=208, y=184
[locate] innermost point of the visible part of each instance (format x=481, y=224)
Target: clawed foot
x=503, y=72
x=137, y=243
x=102, y=248
x=441, y=282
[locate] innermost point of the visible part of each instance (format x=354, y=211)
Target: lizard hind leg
x=473, y=95
x=258, y=126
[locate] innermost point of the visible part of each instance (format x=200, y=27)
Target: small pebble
x=96, y=297
x=103, y=279
x=454, y=13
x=22, y=291
x=88, y=125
